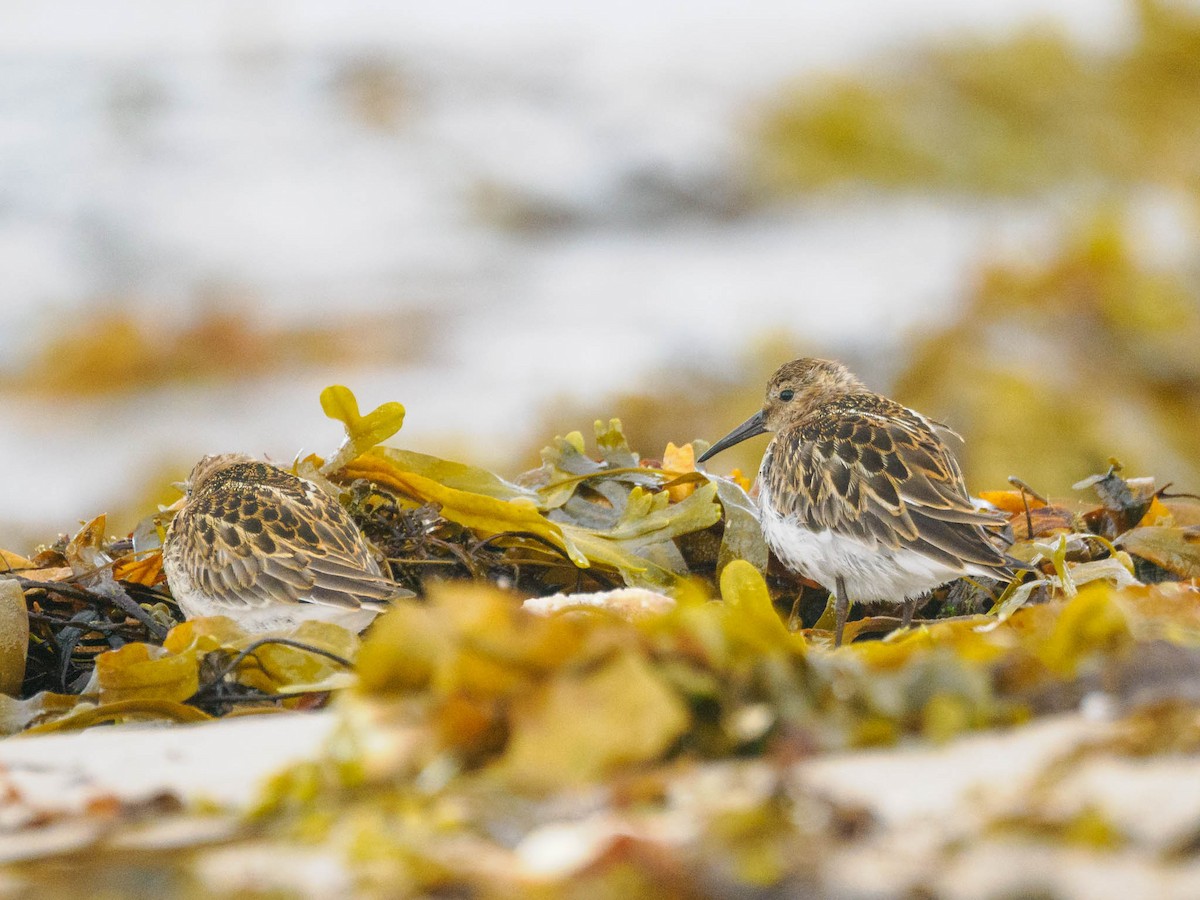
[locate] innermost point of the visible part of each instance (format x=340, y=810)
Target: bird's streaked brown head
x=800, y=386
x=209, y=466
x=796, y=388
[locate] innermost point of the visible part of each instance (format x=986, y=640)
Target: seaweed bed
x=698, y=669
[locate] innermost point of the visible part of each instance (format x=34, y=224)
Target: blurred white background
x=556, y=195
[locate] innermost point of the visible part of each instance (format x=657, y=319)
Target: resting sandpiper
x=269, y=550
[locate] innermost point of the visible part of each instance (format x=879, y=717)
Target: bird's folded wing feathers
x=883, y=478
x=326, y=563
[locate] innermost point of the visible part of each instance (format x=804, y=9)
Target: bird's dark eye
x=787, y=395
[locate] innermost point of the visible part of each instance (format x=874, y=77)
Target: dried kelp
x=470, y=724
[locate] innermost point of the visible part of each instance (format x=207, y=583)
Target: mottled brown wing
x=882, y=475
x=280, y=540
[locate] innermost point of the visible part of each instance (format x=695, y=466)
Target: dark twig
x=121, y=601
x=558, y=551
x=98, y=626
x=59, y=587
x=527, y=535
x=1162, y=494
x=232, y=665
x=463, y=557
x=1026, y=493
x=216, y=694
x=130, y=607
x=1024, y=487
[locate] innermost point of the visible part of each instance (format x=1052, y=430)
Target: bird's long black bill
x=754, y=425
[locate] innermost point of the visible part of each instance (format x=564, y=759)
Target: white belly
x=873, y=574
x=279, y=616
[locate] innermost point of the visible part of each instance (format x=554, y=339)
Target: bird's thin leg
x=910, y=607
x=841, y=610
x=794, y=622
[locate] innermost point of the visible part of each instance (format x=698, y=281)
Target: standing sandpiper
x=860, y=494
x=269, y=550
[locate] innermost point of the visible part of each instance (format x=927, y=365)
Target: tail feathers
x=400, y=593
x=1013, y=563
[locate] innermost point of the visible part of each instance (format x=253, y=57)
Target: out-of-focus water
x=562, y=185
